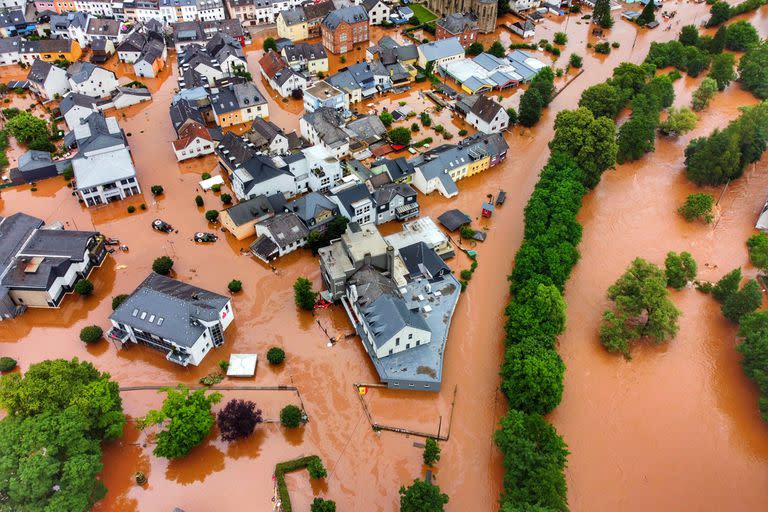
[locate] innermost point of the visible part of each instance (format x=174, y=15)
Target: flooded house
x=278, y=236
x=378, y=11
x=91, y=80
x=400, y=302
x=460, y=25
x=483, y=113
x=194, y=140
x=47, y=80
x=344, y=28
x=303, y=22
x=281, y=78
x=306, y=57
x=237, y=104
x=324, y=127
x=75, y=107
x=39, y=265
x=241, y=219
x=440, y=52
x=174, y=317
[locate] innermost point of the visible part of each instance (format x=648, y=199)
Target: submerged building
x=399, y=300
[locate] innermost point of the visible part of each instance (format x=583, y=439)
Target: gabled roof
x=39, y=71
x=285, y=228
x=316, y=11
x=286, y=74
x=75, y=99
x=351, y=14
x=259, y=169
x=328, y=125
x=457, y=23
x=98, y=132
x=134, y=43
x=293, y=16
x=398, y=168
x=46, y=46
x=368, y=128
x=10, y=18
x=271, y=63
x=422, y=261
x=441, y=49
x=234, y=150
x=351, y=195
x=14, y=231
x=183, y=110
x=103, y=27
x=189, y=133
x=485, y=108
x=255, y=208
x=310, y=205
x=9, y=45
x=386, y=193
x=267, y=129
x=170, y=309
x=300, y=52
x=81, y=71
x=370, y=4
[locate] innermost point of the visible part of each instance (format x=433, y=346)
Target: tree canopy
x=602, y=99
x=703, y=95
x=753, y=70
x=422, y=496
x=741, y=35
x=680, y=269
x=589, y=140
x=722, y=71
x=238, y=419
x=186, y=419
x=538, y=312
x=602, y=13
x=742, y=302
x=758, y=250
x=697, y=206
x=303, y=294
x=753, y=329
x=532, y=377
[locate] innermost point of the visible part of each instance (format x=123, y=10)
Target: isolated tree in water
x=431, y=452
x=303, y=294
x=422, y=496
x=647, y=15
x=602, y=13
x=238, y=419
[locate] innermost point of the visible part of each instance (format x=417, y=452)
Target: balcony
x=118, y=334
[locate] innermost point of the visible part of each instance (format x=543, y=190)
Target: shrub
x=426, y=120
x=431, y=452
x=697, y=206
x=235, y=286
x=758, y=250
x=226, y=198
x=156, y=190
x=386, y=119
x=224, y=365
x=615, y=44
x=415, y=127
x=303, y=294
x=475, y=48
x=561, y=38
x=205, y=176
x=316, y=469
x=7, y=364
x=216, y=187
x=290, y=416
x=162, y=265
x=238, y=419
x=142, y=206
x=680, y=269
x=275, y=355
x=118, y=299
x=604, y=48
x=400, y=135
x=678, y=121
x=84, y=287
x=199, y=200
x=576, y=60
x=131, y=209
x=466, y=274
x=703, y=95
x=321, y=505
x=212, y=215
x=91, y=334
x=463, y=132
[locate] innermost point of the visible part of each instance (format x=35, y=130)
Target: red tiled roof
x=271, y=63
x=189, y=133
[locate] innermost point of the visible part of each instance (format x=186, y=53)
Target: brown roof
x=319, y=10
x=271, y=63
x=189, y=133
x=485, y=108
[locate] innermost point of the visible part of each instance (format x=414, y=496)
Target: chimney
x=391, y=261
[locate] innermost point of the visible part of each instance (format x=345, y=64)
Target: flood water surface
x=675, y=428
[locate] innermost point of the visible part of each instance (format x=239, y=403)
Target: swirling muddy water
x=674, y=429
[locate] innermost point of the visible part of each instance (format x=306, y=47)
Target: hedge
x=287, y=467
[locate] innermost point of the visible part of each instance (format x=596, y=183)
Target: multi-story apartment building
x=344, y=28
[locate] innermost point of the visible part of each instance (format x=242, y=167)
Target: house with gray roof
x=39, y=265
x=400, y=302
x=174, y=317
x=440, y=52
x=483, y=113
x=75, y=107
x=267, y=136
x=278, y=236
x=241, y=219
x=311, y=58
x=378, y=12
x=37, y=165
x=9, y=50
x=47, y=80
x=395, y=201
x=315, y=210
x=260, y=176
x=325, y=126
x=344, y=28
x=90, y=79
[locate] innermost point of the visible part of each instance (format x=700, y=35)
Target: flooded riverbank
x=659, y=404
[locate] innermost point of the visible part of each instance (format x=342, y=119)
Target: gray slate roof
x=14, y=230
x=254, y=208
x=178, y=304
x=456, y=23
x=312, y=204
x=422, y=261
x=351, y=14
x=39, y=71
x=286, y=228
x=440, y=49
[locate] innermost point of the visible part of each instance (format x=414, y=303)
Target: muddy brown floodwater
x=676, y=428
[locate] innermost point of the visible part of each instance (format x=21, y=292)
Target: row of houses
x=291, y=70
x=164, y=11
x=51, y=81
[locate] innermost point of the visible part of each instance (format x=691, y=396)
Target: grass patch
x=286, y=467
x=421, y=12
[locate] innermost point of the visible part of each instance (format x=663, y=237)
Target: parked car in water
x=161, y=225
x=205, y=237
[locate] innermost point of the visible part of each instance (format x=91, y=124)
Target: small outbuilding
x=454, y=219
x=242, y=365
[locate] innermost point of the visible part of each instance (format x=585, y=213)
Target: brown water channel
x=676, y=428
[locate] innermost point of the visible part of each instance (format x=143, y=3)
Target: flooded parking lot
x=676, y=428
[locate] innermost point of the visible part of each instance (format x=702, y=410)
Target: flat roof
x=242, y=365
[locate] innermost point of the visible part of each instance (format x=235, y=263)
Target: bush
x=199, y=200
x=316, y=469
x=290, y=416
x=303, y=295
x=131, y=209
x=743, y=302
x=142, y=206
x=758, y=250
x=118, y=299
x=269, y=44
x=615, y=44
x=463, y=133
x=680, y=269
x=91, y=334
x=238, y=419
x=84, y=287
x=576, y=60
x=275, y=355
x=532, y=377
x=703, y=95
x=212, y=215
x=400, y=136
x=205, y=176
x=321, y=505
x=7, y=364
x=235, y=286
x=466, y=274
x=156, y=190
x=753, y=70
x=216, y=188
x=226, y=198
x=475, y=48
x=415, y=127
x=697, y=206
x=604, y=48
x=386, y=119
x=678, y=121
x=162, y=265
x=561, y=38
x=431, y=452
x=727, y=285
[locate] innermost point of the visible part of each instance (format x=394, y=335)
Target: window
x=397, y=342
x=407, y=346
x=410, y=336
x=390, y=351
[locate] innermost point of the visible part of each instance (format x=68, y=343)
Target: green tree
x=689, y=35
x=648, y=14
x=422, y=496
x=400, y=135
x=156, y=190
x=642, y=309
x=717, y=45
x=303, y=294
x=226, y=199
x=275, y=355
x=212, y=215
x=84, y=287
x=680, y=269
x=697, y=206
x=316, y=469
x=601, y=14
x=270, y=44
x=561, y=38
x=753, y=71
x=199, y=200
x=426, y=120
x=162, y=265
x=534, y=461
x=589, y=140
x=475, y=48
x=29, y=130
x=512, y=113
x=575, y=60
x=532, y=377
x=741, y=35
x=91, y=333
x=743, y=302
x=497, y=49
x=630, y=78
x=603, y=100
x=118, y=299
x=235, y=285
x=54, y=385
x=186, y=418
x=544, y=83
x=531, y=106
x=678, y=121
x=290, y=416
x=431, y=452
x=321, y=505
x=722, y=71
x=753, y=329
x=719, y=13
x=638, y=135
x=49, y=462
x=7, y=364
x=727, y=285
x=537, y=312
x=386, y=118
x=704, y=94
x=758, y=250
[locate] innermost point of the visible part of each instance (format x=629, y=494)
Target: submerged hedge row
x=532, y=371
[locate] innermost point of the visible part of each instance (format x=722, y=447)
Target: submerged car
x=161, y=225
x=205, y=237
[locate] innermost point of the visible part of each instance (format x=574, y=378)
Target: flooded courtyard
x=676, y=428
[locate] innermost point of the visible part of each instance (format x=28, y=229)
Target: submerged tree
x=303, y=294
x=601, y=14
x=422, y=496
x=680, y=269
x=431, y=452
x=238, y=419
